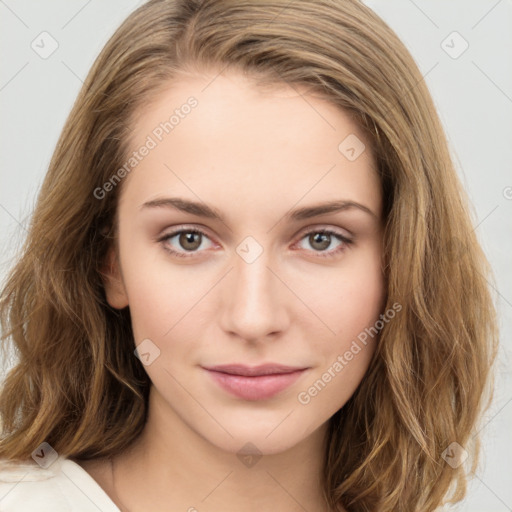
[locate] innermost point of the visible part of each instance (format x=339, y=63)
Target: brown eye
x=320, y=240
x=190, y=240
x=184, y=242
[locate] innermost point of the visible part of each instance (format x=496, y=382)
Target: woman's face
x=238, y=272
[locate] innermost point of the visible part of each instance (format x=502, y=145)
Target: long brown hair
x=77, y=384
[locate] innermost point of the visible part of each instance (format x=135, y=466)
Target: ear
x=113, y=281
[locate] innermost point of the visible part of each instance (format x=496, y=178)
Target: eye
x=321, y=239
x=187, y=241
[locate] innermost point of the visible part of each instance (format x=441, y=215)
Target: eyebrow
x=307, y=212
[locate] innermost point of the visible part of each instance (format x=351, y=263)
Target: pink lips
x=255, y=383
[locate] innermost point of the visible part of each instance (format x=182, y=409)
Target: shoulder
x=63, y=486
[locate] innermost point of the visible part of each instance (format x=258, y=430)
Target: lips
x=254, y=371
x=254, y=383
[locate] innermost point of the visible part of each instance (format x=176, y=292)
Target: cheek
x=159, y=304
x=156, y=293
x=350, y=306
x=360, y=302
x=347, y=299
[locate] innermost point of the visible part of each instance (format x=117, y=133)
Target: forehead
x=266, y=145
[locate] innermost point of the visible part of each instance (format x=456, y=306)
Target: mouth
x=254, y=383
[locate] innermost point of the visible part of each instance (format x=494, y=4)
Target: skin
x=253, y=154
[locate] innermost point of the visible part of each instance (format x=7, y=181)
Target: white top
x=62, y=487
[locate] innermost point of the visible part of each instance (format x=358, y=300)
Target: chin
x=266, y=439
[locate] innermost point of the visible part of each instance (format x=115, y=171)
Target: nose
x=255, y=300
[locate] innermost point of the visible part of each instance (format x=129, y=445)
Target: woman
x=238, y=290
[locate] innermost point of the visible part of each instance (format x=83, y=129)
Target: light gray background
x=473, y=94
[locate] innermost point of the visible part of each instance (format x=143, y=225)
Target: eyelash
x=322, y=254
